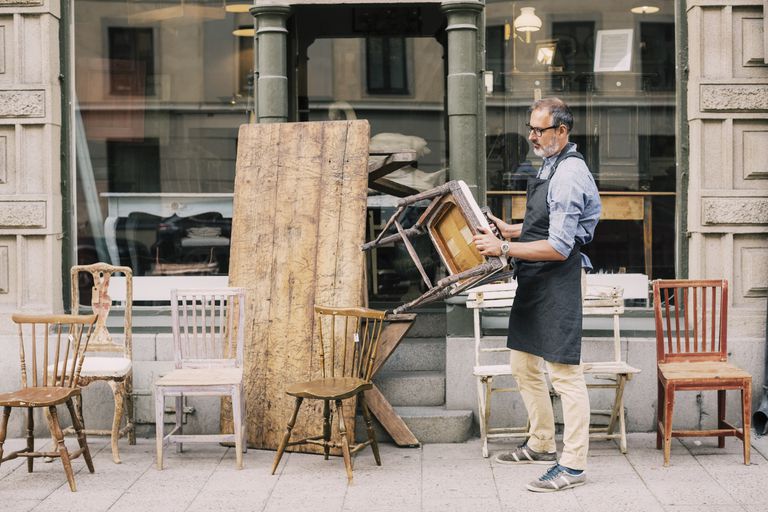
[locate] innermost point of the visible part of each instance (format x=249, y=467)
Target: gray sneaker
x=557, y=478
x=524, y=455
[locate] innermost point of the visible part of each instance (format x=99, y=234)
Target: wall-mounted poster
x=613, y=50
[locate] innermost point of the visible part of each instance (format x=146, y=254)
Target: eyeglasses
x=539, y=131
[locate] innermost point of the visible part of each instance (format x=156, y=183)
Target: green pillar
x=271, y=87
x=465, y=99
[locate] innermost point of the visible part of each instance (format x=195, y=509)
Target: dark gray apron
x=546, y=315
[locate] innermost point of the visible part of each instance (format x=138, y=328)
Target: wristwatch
x=504, y=248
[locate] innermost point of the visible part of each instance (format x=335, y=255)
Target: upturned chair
x=116, y=370
x=692, y=354
x=62, y=340
x=208, y=332
x=348, y=340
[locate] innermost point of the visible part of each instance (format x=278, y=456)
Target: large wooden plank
x=299, y=220
x=389, y=419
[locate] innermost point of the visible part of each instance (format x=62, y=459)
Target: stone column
x=31, y=201
x=465, y=102
x=271, y=74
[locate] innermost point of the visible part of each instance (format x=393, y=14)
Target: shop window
x=386, y=66
x=131, y=61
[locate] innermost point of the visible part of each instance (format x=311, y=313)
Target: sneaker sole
x=518, y=462
x=544, y=489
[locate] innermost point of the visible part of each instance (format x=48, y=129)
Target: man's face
x=551, y=140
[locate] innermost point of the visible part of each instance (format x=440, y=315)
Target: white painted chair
x=486, y=297
x=113, y=363
x=613, y=373
x=208, y=332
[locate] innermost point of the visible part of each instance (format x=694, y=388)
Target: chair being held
x=692, y=354
x=61, y=340
x=116, y=369
x=208, y=333
x=348, y=340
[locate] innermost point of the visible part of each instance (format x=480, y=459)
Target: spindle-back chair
x=208, y=333
x=348, y=340
x=61, y=341
x=692, y=354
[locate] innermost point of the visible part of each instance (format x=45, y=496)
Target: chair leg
x=721, y=416
x=63, y=453
x=326, y=428
x=118, y=391
x=369, y=428
x=130, y=410
x=287, y=435
x=4, y=429
x=244, y=420
x=179, y=427
x=344, y=440
x=30, y=437
x=622, y=428
x=159, y=425
x=669, y=404
x=746, y=415
x=237, y=423
x=659, y=413
x=80, y=432
x=482, y=384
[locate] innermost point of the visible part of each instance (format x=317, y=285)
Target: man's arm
x=540, y=250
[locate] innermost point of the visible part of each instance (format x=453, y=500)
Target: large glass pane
x=397, y=84
x=161, y=88
x=615, y=68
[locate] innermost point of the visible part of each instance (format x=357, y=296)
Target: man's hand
x=486, y=242
x=507, y=230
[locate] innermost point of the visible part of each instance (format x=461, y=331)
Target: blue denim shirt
x=574, y=204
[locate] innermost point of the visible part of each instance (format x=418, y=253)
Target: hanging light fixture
x=244, y=31
x=237, y=6
x=527, y=22
x=645, y=9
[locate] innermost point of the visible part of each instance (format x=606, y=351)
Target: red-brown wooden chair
x=62, y=341
x=692, y=355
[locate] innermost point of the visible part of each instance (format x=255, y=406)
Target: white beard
x=546, y=151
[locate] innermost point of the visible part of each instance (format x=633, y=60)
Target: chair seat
x=492, y=370
x=336, y=388
x=99, y=367
x=698, y=370
x=201, y=377
x=606, y=367
x=37, y=396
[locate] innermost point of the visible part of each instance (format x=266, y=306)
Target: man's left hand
x=487, y=243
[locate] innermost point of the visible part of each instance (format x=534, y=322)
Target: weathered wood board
x=297, y=228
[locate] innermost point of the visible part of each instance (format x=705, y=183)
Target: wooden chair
x=348, y=340
x=208, y=332
x=62, y=340
x=117, y=370
x=692, y=355
x=608, y=374
x=487, y=297
x=613, y=373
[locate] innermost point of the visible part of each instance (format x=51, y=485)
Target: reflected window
x=131, y=61
x=386, y=66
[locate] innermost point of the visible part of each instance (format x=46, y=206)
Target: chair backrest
x=101, y=302
x=348, y=340
x=605, y=300
x=57, y=340
x=691, y=320
x=208, y=327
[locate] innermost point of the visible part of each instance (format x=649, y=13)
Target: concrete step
x=412, y=388
x=429, y=425
x=429, y=324
x=417, y=354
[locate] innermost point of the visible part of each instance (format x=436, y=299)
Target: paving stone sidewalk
x=436, y=477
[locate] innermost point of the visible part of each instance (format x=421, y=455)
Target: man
x=563, y=207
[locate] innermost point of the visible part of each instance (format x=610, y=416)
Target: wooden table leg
x=648, y=235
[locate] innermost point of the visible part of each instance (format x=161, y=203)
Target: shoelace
x=553, y=472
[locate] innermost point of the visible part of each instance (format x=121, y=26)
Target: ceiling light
x=645, y=9
x=527, y=21
x=238, y=7
x=244, y=32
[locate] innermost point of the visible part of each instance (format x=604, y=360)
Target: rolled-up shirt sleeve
x=574, y=206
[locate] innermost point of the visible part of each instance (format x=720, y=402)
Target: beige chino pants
x=568, y=381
